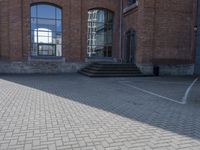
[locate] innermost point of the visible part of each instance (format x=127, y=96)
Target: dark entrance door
x=130, y=47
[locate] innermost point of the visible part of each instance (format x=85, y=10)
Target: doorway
x=130, y=47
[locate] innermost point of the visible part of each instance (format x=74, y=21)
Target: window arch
x=46, y=30
x=100, y=33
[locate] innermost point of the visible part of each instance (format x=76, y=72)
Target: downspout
x=81, y=54
x=195, y=30
x=154, y=31
x=22, y=31
x=121, y=30
x=0, y=29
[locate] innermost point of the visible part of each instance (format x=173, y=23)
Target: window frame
x=108, y=47
x=56, y=31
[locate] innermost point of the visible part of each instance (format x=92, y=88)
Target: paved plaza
x=70, y=111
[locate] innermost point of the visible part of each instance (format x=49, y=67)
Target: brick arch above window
x=102, y=8
x=49, y=2
x=46, y=3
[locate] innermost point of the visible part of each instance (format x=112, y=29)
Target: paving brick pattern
x=50, y=112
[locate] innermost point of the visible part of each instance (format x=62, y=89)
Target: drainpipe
x=195, y=37
x=154, y=29
x=121, y=29
x=22, y=30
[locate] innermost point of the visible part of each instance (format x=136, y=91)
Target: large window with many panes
x=46, y=30
x=100, y=33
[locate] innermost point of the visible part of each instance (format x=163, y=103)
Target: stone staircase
x=111, y=70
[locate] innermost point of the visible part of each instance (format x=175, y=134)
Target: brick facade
x=164, y=31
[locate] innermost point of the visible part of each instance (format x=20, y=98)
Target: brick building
x=62, y=35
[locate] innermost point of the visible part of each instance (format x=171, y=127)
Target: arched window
x=100, y=33
x=46, y=30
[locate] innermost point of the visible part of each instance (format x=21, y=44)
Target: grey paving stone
x=75, y=112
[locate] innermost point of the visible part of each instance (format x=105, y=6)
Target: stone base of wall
x=31, y=67
x=179, y=70
x=19, y=67
x=146, y=69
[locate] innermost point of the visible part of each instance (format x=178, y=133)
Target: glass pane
x=34, y=11
x=34, y=49
x=59, y=39
x=33, y=23
x=109, y=39
x=47, y=23
x=46, y=11
x=58, y=26
x=43, y=39
x=43, y=30
x=99, y=26
x=130, y=2
x=101, y=16
x=46, y=30
x=99, y=50
x=58, y=50
x=100, y=33
x=109, y=27
x=100, y=38
x=50, y=40
x=35, y=39
x=47, y=50
x=110, y=18
x=58, y=13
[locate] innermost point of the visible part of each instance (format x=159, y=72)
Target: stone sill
x=130, y=8
x=46, y=59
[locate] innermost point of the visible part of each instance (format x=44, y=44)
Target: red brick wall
x=174, y=32
x=4, y=36
x=140, y=19
x=15, y=27
x=112, y=5
x=71, y=28
x=164, y=29
x=147, y=31
x=11, y=29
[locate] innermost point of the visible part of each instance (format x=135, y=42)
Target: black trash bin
x=156, y=70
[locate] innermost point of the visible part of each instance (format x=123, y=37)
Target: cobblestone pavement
x=50, y=112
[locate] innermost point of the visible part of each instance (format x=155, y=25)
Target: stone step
x=110, y=75
x=111, y=70
x=113, y=65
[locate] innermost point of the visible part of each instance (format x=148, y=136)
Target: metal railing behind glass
x=46, y=49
